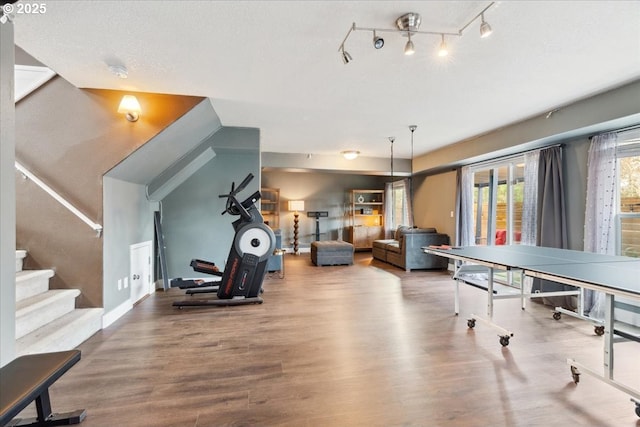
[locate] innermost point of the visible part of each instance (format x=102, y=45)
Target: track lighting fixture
x=485, y=28
x=378, y=41
x=409, y=25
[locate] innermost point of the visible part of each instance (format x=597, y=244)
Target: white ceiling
x=275, y=65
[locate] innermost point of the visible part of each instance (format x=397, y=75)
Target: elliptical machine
x=252, y=245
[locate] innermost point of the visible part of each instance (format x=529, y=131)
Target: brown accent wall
x=434, y=199
x=70, y=138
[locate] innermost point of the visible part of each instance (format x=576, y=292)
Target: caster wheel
x=638, y=409
x=599, y=330
x=471, y=323
x=504, y=340
x=557, y=315
x=575, y=374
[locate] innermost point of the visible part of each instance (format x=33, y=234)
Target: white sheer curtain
x=465, y=233
x=404, y=216
x=407, y=208
x=599, y=222
x=530, y=198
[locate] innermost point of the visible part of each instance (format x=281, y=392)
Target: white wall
x=128, y=219
x=8, y=199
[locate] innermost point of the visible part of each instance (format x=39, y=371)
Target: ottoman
x=332, y=252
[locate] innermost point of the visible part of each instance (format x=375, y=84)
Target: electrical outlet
x=119, y=284
x=126, y=282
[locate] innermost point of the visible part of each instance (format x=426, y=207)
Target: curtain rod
x=625, y=129
x=511, y=156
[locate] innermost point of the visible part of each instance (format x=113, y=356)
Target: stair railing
x=27, y=174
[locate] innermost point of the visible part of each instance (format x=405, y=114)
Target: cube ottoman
x=331, y=252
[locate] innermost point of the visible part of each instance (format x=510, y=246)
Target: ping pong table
x=615, y=276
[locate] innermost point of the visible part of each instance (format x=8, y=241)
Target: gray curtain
x=551, y=227
x=388, y=209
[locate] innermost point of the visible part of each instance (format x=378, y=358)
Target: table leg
x=490, y=293
x=608, y=336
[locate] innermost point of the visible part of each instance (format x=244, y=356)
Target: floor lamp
x=296, y=206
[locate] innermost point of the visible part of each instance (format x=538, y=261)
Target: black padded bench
x=28, y=378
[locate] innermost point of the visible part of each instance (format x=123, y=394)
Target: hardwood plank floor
x=361, y=345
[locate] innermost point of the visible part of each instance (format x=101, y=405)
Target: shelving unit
x=366, y=217
x=270, y=206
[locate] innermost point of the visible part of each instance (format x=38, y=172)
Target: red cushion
x=501, y=237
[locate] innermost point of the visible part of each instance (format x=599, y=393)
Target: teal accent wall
x=192, y=219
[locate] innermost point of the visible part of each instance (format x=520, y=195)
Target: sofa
x=405, y=250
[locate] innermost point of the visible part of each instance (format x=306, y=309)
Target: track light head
x=346, y=58
x=485, y=28
x=409, y=49
x=442, y=50
x=378, y=42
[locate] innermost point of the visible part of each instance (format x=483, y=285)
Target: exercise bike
x=245, y=269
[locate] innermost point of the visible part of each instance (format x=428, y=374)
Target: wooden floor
x=361, y=345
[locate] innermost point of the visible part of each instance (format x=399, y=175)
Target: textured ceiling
x=275, y=65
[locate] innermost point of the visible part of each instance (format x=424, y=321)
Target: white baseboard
x=301, y=250
x=116, y=313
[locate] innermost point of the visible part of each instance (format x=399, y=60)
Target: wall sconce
x=130, y=107
x=350, y=154
x=296, y=206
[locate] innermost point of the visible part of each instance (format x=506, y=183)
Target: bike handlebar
x=235, y=207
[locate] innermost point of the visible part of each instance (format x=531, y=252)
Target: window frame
x=628, y=145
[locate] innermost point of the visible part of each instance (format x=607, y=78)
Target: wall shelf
x=270, y=206
x=366, y=215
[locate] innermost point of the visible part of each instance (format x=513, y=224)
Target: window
x=628, y=205
x=397, y=205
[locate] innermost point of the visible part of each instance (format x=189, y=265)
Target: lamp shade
x=130, y=107
x=129, y=104
x=296, y=205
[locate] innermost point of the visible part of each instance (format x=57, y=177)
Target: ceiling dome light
x=119, y=70
x=409, y=49
x=350, y=154
x=378, y=41
x=485, y=28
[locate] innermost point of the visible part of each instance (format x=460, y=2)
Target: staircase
x=46, y=319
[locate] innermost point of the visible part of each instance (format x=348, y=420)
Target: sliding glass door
x=498, y=194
